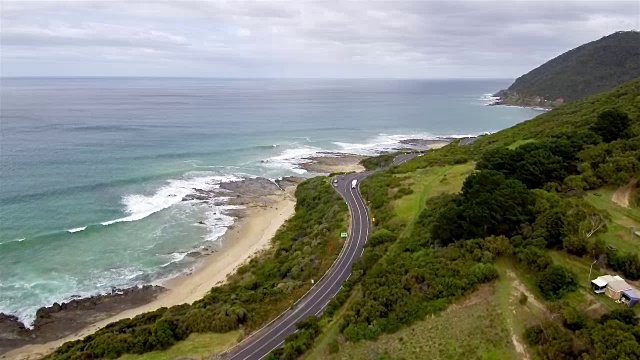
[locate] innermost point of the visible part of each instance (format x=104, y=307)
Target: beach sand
x=249, y=235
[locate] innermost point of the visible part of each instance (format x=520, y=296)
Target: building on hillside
x=615, y=288
x=630, y=297
x=600, y=284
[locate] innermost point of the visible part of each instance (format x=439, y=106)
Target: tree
x=500, y=159
x=613, y=340
x=618, y=170
x=583, y=219
x=575, y=182
x=575, y=245
x=534, y=258
x=556, y=281
x=612, y=124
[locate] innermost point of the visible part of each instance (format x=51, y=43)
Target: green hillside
x=484, y=251
x=589, y=69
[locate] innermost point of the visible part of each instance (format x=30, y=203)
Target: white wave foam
x=74, y=230
x=387, y=143
x=291, y=158
x=382, y=143
x=175, y=257
x=218, y=221
x=489, y=98
x=140, y=206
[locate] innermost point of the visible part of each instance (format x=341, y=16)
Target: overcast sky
x=294, y=38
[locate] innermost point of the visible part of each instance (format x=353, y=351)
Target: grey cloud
x=279, y=37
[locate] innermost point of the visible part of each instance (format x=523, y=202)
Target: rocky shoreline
x=425, y=144
x=59, y=320
x=63, y=319
x=510, y=98
x=328, y=162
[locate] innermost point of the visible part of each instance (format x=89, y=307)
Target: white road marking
x=350, y=191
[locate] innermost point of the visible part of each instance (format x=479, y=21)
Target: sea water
x=93, y=170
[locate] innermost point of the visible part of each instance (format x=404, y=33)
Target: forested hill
x=589, y=69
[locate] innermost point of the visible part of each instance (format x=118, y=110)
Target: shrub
x=556, y=281
x=523, y=299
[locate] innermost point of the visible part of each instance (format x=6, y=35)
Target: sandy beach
x=251, y=234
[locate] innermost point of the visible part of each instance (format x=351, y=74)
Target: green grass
x=623, y=220
x=196, y=345
x=520, y=143
x=427, y=183
x=474, y=328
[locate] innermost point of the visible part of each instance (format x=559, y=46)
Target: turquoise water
x=93, y=170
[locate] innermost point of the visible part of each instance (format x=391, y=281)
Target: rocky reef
x=62, y=319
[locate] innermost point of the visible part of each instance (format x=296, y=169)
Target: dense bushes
x=304, y=247
x=297, y=343
x=489, y=204
x=625, y=262
x=556, y=281
x=614, y=336
x=378, y=162
x=612, y=124
x=406, y=285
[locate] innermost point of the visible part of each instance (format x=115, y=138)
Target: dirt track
x=621, y=196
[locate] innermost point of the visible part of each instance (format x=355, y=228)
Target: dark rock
x=11, y=328
x=62, y=319
x=288, y=181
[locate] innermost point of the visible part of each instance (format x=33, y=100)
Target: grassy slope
x=195, y=346
x=429, y=182
x=470, y=329
x=623, y=220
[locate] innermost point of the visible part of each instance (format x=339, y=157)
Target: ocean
x=93, y=170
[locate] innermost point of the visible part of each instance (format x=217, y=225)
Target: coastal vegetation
x=589, y=69
x=527, y=216
x=304, y=247
x=378, y=162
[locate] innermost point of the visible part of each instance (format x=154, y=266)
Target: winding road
x=270, y=337
x=259, y=344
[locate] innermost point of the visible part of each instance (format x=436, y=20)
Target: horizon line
x=246, y=78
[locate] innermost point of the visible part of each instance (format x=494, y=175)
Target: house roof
x=605, y=279
x=599, y=282
x=631, y=294
x=618, y=285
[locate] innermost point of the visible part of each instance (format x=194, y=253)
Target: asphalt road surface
x=401, y=159
x=272, y=336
